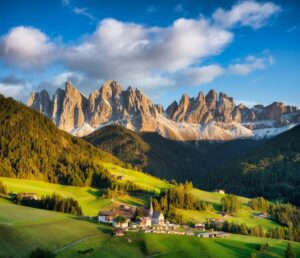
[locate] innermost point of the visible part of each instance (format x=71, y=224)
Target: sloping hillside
x=32, y=147
x=272, y=170
x=167, y=158
x=24, y=229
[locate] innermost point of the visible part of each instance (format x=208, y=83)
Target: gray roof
x=156, y=215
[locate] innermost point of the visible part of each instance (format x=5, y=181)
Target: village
x=122, y=219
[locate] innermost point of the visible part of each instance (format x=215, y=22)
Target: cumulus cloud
x=199, y=75
x=146, y=56
x=11, y=86
x=123, y=50
x=26, y=47
x=247, y=13
x=84, y=84
x=250, y=64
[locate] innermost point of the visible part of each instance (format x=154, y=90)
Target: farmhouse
x=200, y=226
x=215, y=234
x=217, y=222
x=119, y=232
x=107, y=216
x=144, y=222
x=220, y=191
x=28, y=196
x=261, y=215
x=118, y=224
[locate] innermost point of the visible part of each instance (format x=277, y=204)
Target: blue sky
x=247, y=49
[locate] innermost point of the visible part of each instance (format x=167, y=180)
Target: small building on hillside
x=217, y=223
x=220, y=191
x=261, y=215
x=144, y=222
x=200, y=226
x=119, y=224
x=28, y=196
x=107, y=216
x=119, y=232
x=215, y=234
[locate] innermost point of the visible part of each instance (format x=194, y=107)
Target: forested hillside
x=166, y=158
x=272, y=170
x=32, y=147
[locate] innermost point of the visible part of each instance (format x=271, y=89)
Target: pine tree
x=289, y=252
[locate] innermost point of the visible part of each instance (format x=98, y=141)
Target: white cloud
x=140, y=55
x=26, y=47
x=199, y=75
x=84, y=84
x=246, y=13
x=124, y=50
x=250, y=64
x=11, y=86
x=84, y=11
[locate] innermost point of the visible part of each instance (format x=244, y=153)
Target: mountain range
x=205, y=117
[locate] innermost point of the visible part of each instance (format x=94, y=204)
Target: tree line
x=54, y=202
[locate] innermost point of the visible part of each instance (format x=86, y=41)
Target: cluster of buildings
x=127, y=212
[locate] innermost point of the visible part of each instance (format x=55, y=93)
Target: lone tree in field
x=3, y=190
x=289, y=252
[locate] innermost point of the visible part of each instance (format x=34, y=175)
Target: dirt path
x=159, y=254
x=74, y=243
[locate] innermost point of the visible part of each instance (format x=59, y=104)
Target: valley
x=24, y=229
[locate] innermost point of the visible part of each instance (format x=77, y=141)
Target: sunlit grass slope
x=23, y=229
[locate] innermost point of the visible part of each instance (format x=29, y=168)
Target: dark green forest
x=166, y=158
x=271, y=171
x=31, y=147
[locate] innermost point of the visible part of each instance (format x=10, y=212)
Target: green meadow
x=91, y=200
x=23, y=229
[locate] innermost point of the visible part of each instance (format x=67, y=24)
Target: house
x=144, y=222
x=107, y=216
x=158, y=218
x=28, y=196
x=126, y=211
x=200, y=226
x=121, y=225
x=224, y=214
x=215, y=234
x=204, y=235
x=219, y=234
x=217, y=223
x=189, y=233
x=220, y=191
x=261, y=215
x=119, y=232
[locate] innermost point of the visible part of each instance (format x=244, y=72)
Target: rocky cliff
x=212, y=116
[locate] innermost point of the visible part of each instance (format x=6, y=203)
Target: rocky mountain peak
x=211, y=116
x=211, y=99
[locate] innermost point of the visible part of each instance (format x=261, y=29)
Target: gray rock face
x=40, y=101
x=214, y=117
x=222, y=108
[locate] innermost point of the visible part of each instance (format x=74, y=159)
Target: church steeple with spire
x=151, y=208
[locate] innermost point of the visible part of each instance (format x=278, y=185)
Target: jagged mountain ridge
x=210, y=117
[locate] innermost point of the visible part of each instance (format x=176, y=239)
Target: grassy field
x=23, y=229
x=90, y=199
x=142, y=179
